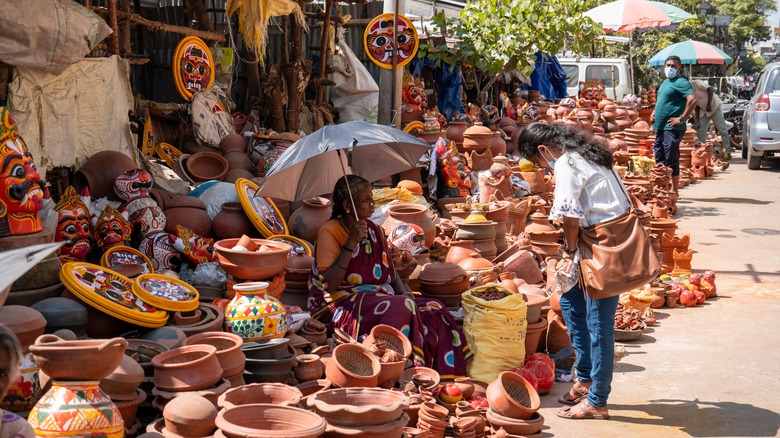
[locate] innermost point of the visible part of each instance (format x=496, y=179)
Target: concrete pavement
x=711, y=370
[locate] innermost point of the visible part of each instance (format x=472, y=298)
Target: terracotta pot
x=391, y=336
x=278, y=394
x=512, y=396
x=194, y=218
x=266, y=420
x=460, y=249
x=352, y=365
x=514, y=426
x=97, y=358
x=476, y=263
x=239, y=161
x=539, y=222
x=269, y=370
x=479, y=160
x=466, y=386
x=269, y=349
x=524, y=265
x=413, y=214
x=188, y=368
x=480, y=230
x=253, y=265
x=231, y=221
x=497, y=144
x=128, y=408
x=254, y=315
x=306, y=221
x=207, y=166
x=486, y=247
x=309, y=367
x=443, y=278
x=232, y=143
x=99, y=173
x=477, y=138
x=359, y=406
x=455, y=131
x=54, y=413
x=189, y=415
x=123, y=382
x=507, y=282
x=25, y=322
x=533, y=335
x=231, y=358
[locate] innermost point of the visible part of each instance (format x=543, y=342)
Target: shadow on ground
x=702, y=418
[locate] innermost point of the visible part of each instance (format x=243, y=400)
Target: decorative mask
x=413, y=94
x=196, y=248
x=531, y=113
x=111, y=228
x=133, y=183
x=408, y=237
x=378, y=41
x=21, y=187
x=193, y=68
x=147, y=220
x=73, y=226
x=157, y=247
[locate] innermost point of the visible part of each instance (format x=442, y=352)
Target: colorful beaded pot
x=71, y=409
x=253, y=314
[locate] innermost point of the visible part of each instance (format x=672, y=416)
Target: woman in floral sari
x=354, y=286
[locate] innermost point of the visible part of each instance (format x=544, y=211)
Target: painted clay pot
x=190, y=416
x=411, y=214
x=266, y=420
x=55, y=413
x=254, y=315
x=309, y=367
x=231, y=221
x=97, y=358
x=188, y=368
x=24, y=392
x=306, y=221
x=513, y=396
x=278, y=394
x=99, y=173
x=231, y=358
x=232, y=143
x=207, y=166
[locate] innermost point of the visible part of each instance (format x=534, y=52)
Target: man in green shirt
x=674, y=105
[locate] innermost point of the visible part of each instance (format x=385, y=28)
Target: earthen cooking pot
x=206, y=166
x=443, y=278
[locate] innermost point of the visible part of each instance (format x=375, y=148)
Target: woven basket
x=517, y=391
x=357, y=360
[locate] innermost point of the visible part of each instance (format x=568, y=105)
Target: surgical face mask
x=670, y=72
x=550, y=161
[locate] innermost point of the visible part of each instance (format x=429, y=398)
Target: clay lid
x=26, y=323
x=191, y=413
x=440, y=271
x=475, y=263
x=478, y=130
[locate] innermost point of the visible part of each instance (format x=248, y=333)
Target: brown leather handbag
x=616, y=256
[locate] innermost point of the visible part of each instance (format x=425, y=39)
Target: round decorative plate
x=261, y=210
x=168, y=153
x=295, y=242
x=166, y=292
x=110, y=292
x=193, y=67
x=125, y=255
x=378, y=41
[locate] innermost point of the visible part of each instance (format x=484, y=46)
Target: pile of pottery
x=268, y=361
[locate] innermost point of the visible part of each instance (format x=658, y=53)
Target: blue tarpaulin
x=448, y=82
x=548, y=77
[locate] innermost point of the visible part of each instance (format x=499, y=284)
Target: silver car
x=762, y=118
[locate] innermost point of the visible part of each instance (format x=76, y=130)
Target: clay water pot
x=477, y=138
x=443, y=278
x=239, y=161
x=306, y=221
x=76, y=400
x=231, y=221
x=539, y=222
x=309, y=367
x=99, y=173
x=187, y=368
x=231, y=358
x=190, y=416
x=460, y=249
x=232, y=143
x=207, y=166
x=412, y=214
x=455, y=131
x=507, y=282
x=97, y=358
x=189, y=212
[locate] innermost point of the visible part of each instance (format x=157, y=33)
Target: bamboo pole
x=324, y=47
x=163, y=27
x=112, y=23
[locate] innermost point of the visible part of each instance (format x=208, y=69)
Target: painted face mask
x=111, y=228
x=379, y=40
x=73, y=227
x=670, y=72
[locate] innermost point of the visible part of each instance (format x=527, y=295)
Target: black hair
x=341, y=194
x=673, y=58
x=567, y=138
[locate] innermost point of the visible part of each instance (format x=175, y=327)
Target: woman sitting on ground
x=354, y=286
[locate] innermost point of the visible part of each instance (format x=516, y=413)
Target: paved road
x=712, y=370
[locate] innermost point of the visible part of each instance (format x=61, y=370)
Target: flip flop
x=573, y=397
x=582, y=411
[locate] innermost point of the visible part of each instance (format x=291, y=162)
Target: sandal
x=574, y=396
x=582, y=411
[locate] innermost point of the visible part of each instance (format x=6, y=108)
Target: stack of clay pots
x=482, y=232
x=296, y=277
x=673, y=247
x=513, y=405
x=268, y=361
x=229, y=354
x=233, y=148
x=191, y=369
x=123, y=387
x=444, y=281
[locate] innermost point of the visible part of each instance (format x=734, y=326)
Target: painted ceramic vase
x=25, y=391
x=76, y=409
x=255, y=315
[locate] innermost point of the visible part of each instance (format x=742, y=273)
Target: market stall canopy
x=14, y=263
x=692, y=52
x=312, y=165
x=630, y=15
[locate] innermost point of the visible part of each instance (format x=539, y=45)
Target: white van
x=604, y=69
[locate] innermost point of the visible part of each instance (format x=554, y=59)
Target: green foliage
x=748, y=20
x=751, y=64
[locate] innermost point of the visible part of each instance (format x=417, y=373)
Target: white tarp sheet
x=66, y=118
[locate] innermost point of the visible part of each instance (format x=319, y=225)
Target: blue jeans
x=667, y=148
x=591, y=325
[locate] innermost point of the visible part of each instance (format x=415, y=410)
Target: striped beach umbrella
x=631, y=15
x=692, y=52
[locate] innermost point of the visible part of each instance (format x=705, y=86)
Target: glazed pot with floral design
x=77, y=408
x=255, y=315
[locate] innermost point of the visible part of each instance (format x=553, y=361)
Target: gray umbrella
x=312, y=165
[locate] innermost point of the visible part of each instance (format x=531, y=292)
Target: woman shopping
x=354, y=286
x=587, y=192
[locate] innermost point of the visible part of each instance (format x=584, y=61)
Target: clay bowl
x=267, y=349
x=187, y=368
x=409, y=373
x=96, y=358
x=206, y=166
x=189, y=415
x=516, y=426
x=228, y=346
x=359, y=406
x=123, y=382
x=513, y=396
x=258, y=264
x=272, y=393
x=352, y=365
x=264, y=420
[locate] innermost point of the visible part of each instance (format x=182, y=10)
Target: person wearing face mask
x=587, y=192
x=674, y=105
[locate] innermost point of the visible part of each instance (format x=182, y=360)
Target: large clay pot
x=539, y=223
x=97, y=358
x=189, y=213
x=254, y=315
x=497, y=144
x=443, y=278
x=231, y=221
x=306, y=221
x=459, y=250
x=232, y=143
x=412, y=214
x=477, y=138
x=76, y=409
x=26, y=323
x=239, y=161
x=188, y=368
x=455, y=131
x=99, y=173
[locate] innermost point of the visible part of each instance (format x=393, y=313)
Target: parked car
x=761, y=129
x=607, y=70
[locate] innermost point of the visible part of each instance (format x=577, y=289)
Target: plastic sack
x=216, y=195
x=210, y=122
x=495, y=331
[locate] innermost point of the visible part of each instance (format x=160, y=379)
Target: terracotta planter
x=352, y=365
x=54, y=413
x=207, y=166
x=309, y=367
x=99, y=173
x=411, y=214
x=513, y=396
x=189, y=415
x=231, y=358
x=271, y=393
x=306, y=221
x=188, y=368
x=231, y=222
x=97, y=358
x=267, y=421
